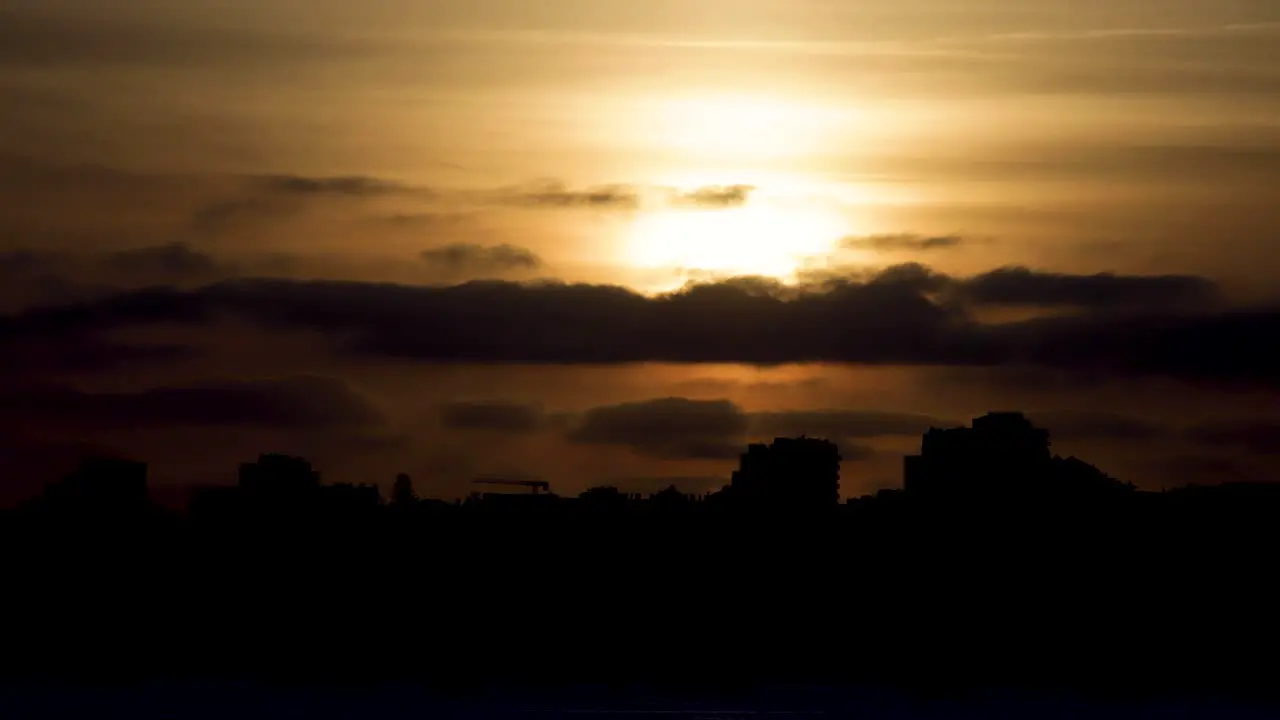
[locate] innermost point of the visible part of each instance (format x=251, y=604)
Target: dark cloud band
x=891, y=318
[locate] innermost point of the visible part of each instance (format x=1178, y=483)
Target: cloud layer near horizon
x=905, y=315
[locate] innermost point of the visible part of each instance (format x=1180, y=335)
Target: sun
x=750, y=240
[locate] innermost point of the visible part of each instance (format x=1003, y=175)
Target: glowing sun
x=751, y=240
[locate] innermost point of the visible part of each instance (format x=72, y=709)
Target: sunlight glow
x=758, y=239
x=744, y=125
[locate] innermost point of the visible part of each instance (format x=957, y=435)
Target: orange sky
x=928, y=117
x=645, y=145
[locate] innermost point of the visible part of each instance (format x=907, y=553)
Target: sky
x=603, y=242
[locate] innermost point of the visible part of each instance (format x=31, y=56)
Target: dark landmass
x=396, y=702
x=997, y=566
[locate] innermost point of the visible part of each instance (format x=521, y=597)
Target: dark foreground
x=1141, y=599
x=244, y=702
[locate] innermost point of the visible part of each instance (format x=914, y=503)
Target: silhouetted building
x=670, y=500
x=604, y=499
x=790, y=473
x=992, y=456
x=513, y=502
x=1003, y=455
x=1077, y=477
x=352, y=497
x=279, y=475
x=279, y=483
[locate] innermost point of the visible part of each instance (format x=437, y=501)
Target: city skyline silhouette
x=934, y=569
x=874, y=358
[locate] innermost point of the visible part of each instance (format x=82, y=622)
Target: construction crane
x=537, y=486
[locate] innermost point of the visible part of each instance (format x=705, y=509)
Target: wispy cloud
x=938, y=46
x=1131, y=32
x=714, y=196
x=902, y=242
x=463, y=257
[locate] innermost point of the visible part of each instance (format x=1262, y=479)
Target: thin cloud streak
x=939, y=46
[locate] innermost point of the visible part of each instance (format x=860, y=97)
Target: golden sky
x=928, y=117
x=644, y=145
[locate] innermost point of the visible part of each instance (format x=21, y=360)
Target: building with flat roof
x=999, y=453
x=793, y=473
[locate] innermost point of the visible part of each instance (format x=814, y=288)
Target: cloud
x=1255, y=436
x=1022, y=286
x=902, y=242
x=843, y=424
x=163, y=263
x=852, y=452
x=75, y=353
x=1183, y=469
x=305, y=402
x=723, y=386
x=352, y=186
x=667, y=428
x=682, y=429
x=224, y=215
x=1097, y=425
x=276, y=196
x=470, y=258
x=174, y=261
x=429, y=220
x=25, y=262
x=35, y=278
x=136, y=307
x=48, y=36
x=916, y=277
x=890, y=318
x=269, y=197
x=554, y=194
x=501, y=417
x=713, y=196
x=698, y=450
x=264, y=198
x=1232, y=347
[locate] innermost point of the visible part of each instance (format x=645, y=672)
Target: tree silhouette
x=402, y=493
